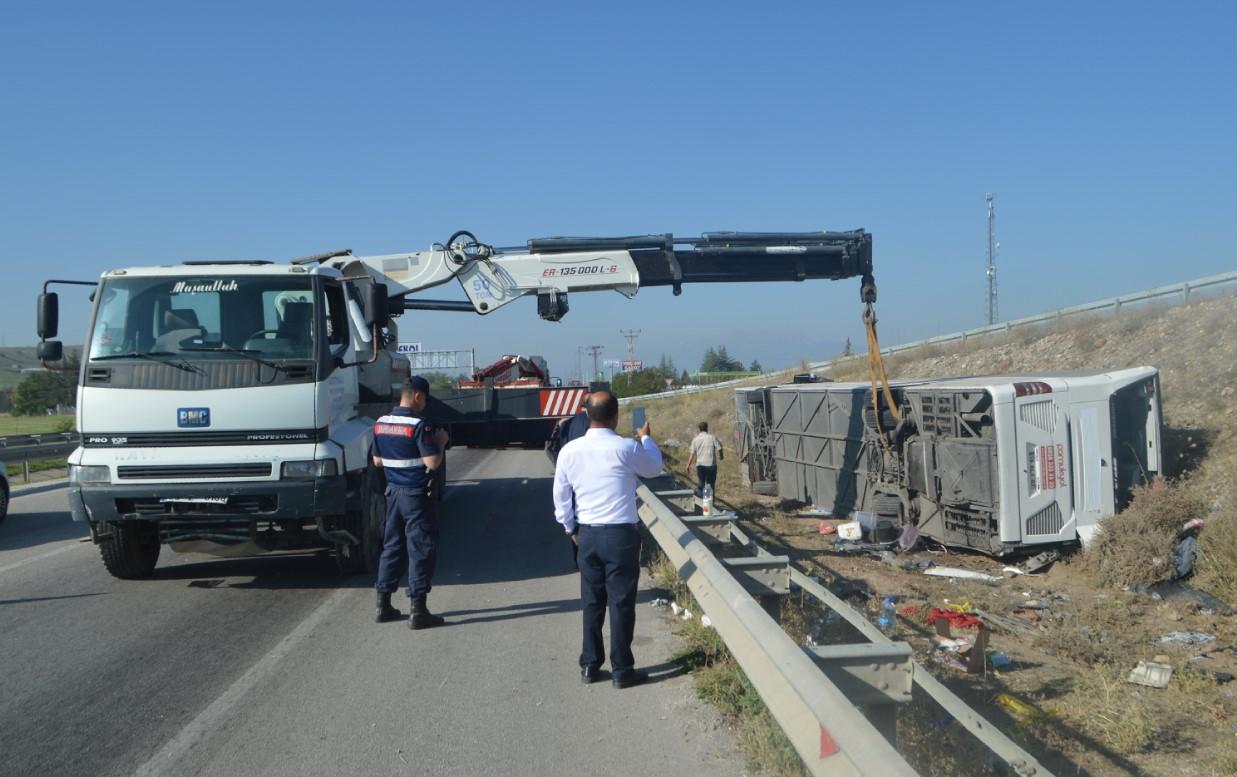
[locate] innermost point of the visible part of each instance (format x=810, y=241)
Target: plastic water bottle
x=706, y=496
x=887, y=620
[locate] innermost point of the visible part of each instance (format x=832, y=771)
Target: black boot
x=386, y=612
x=421, y=617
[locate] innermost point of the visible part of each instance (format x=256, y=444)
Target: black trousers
x=609, y=576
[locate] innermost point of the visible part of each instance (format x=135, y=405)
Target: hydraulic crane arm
x=552, y=267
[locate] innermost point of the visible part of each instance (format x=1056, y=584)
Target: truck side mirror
x=50, y=351
x=49, y=314
x=377, y=312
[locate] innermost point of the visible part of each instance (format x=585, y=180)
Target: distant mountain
x=15, y=360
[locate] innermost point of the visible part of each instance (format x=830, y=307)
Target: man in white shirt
x=595, y=501
x=706, y=451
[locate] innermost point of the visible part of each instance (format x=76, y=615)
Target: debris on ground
x=962, y=574
x=1187, y=638
x=1169, y=590
x=1041, y=561
x=908, y=539
x=827, y=528
x=998, y=660
x=659, y=602
x=954, y=618
x=1022, y=711
x=1152, y=674
x=851, y=530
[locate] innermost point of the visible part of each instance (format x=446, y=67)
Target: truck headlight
x=89, y=474
x=308, y=470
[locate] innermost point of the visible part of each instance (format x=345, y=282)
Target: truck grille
x=185, y=439
x=236, y=505
x=188, y=471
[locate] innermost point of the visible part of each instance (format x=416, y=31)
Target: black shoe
x=421, y=617
x=590, y=674
x=386, y=612
x=627, y=678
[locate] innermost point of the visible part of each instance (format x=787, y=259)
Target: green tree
x=755, y=366
x=39, y=392
x=848, y=349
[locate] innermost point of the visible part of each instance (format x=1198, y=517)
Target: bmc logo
x=192, y=416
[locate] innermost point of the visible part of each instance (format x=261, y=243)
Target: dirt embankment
x=1094, y=628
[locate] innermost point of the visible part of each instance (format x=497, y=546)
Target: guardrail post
x=25, y=470
x=1185, y=292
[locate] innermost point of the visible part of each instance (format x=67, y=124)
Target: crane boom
x=551, y=267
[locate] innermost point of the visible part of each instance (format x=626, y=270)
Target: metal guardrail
x=27, y=447
x=814, y=692
x=1112, y=304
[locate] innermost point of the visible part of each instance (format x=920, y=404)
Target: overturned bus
x=995, y=463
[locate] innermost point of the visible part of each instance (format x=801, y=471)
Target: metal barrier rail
x=1112, y=304
x=27, y=447
x=814, y=692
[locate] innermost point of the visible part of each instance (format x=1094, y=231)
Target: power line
x=596, y=350
x=630, y=336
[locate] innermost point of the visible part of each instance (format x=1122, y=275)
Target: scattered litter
x=1006, y=623
x=1187, y=638
x=1013, y=570
x=910, y=610
x=706, y=621
x=816, y=511
x=850, y=530
x=676, y=608
x=962, y=606
x=963, y=574
x=659, y=602
x=908, y=539
x=687, y=614
x=954, y=644
x=1222, y=677
x=1041, y=560
x=845, y=589
x=1174, y=590
x=1151, y=673
x=1184, y=556
x=1022, y=711
x=954, y=618
x=998, y=660
x=1026, y=615
x=917, y=566
x=827, y=528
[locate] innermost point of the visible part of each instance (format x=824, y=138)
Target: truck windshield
x=215, y=317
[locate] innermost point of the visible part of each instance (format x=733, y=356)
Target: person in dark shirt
x=409, y=449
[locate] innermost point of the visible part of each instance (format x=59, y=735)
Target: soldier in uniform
x=409, y=449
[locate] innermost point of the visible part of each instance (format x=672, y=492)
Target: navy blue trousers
x=609, y=576
x=706, y=476
x=410, y=536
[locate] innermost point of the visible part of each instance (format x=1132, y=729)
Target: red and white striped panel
x=557, y=402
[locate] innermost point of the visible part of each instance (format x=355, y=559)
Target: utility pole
x=630, y=335
x=580, y=364
x=596, y=350
x=992, y=249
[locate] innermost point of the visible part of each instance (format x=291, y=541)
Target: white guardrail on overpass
x=1111, y=305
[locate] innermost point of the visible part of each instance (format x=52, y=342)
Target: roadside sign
x=632, y=365
x=408, y=348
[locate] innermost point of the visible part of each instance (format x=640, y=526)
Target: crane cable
x=876, y=370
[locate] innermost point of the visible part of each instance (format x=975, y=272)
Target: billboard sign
x=408, y=348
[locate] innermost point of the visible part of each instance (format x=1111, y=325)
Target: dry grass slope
x=1097, y=723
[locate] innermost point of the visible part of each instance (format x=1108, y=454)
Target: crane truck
x=233, y=401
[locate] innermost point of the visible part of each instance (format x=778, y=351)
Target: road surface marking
x=219, y=711
x=31, y=559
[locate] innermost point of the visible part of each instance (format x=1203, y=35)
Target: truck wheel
x=366, y=525
x=132, y=551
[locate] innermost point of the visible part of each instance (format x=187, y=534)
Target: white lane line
x=219, y=711
x=41, y=556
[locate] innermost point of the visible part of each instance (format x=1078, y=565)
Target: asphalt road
x=272, y=665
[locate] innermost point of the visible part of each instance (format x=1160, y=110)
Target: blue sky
x=161, y=132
